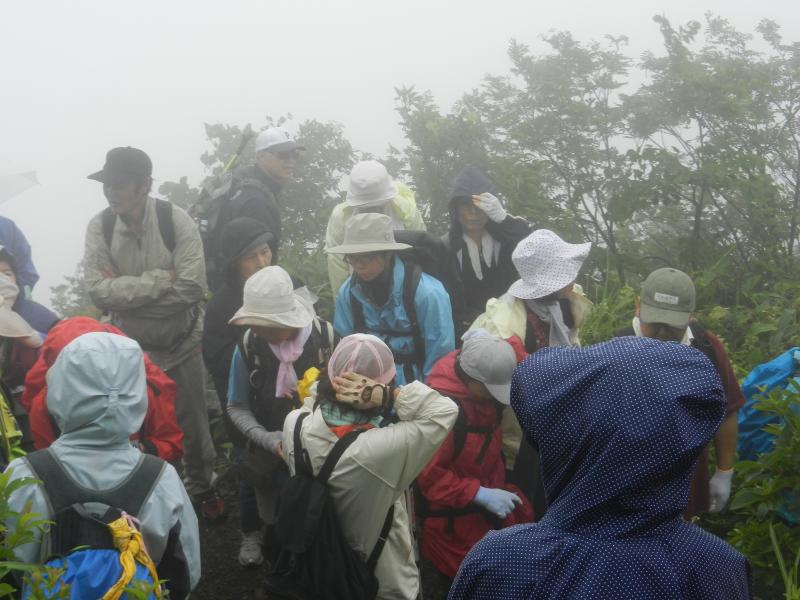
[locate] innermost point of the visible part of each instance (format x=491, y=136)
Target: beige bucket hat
x=368, y=232
x=270, y=301
x=15, y=327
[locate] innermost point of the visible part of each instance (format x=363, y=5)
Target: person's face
x=472, y=218
x=279, y=165
x=5, y=269
x=254, y=261
x=127, y=198
x=275, y=335
x=479, y=392
x=369, y=265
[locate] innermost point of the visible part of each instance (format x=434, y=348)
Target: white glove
x=720, y=489
x=496, y=501
x=491, y=206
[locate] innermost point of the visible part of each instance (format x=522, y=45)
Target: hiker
x=356, y=391
x=377, y=298
x=14, y=241
x=544, y=308
x=144, y=266
x=619, y=427
x=16, y=337
x=664, y=312
x=159, y=434
x=463, y=487
x=244, y=250
x=284, y=339
x=37, y=316
x=97, y=395
x=481, y=238
x=261, y=183
x=371, y=189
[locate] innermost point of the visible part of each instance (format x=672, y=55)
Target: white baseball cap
x=277, y=139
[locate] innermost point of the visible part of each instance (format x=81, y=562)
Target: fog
x=81, y=77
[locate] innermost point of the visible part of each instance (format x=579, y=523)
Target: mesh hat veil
x=364, y=354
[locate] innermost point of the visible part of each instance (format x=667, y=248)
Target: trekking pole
x=247, y=135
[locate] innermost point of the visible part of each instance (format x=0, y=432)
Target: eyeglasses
x=288, y=155
x=363, y=258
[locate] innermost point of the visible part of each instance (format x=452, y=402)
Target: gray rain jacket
x=97, y=395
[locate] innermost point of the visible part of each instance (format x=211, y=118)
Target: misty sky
x=79, y=77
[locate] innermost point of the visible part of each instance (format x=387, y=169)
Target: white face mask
x=8, y=290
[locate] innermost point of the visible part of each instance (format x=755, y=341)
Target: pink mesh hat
x=363, y=354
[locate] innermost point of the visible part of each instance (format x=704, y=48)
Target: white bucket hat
x=368, y=232
x=15, y=327
x=370, y=185
x=270, y=301
x=546, y=264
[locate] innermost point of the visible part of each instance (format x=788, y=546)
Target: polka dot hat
x=546, y=264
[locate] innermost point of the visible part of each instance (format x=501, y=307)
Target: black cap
x=123, y=164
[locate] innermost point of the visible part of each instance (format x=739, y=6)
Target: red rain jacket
x=159, y=435
x=448, y=483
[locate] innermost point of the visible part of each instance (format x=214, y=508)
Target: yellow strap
x=128, y=540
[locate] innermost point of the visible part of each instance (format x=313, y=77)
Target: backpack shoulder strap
x=411, y=279
x=326, y=336
x=62, y=491
x=335, y=454
x=701, y=341
x=359, y=322
x=300, y=465
x=372, y=561
x=252, y=182
x=247, y=349
x=166, y=226
x=459, y=431
x=108, y=220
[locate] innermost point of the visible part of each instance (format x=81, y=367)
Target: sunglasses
x=288, y=155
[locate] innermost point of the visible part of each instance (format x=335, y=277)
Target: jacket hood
x=619, y=427
x=97, y=391
x=238, y=237
x=469, y=182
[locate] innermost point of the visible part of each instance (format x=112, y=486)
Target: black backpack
x=74, y=525
x=211, y=216
x=165, y=225
x=428, y=254
x=313, y=559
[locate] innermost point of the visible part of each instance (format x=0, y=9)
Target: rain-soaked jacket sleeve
x=435, y=318
x=188, y=261
x=440, y=482
x=396, y=454
x=125, y=291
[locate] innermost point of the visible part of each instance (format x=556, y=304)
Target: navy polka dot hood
x=619, y=427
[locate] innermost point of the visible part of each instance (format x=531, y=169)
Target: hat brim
x=387, y=197
x=370, y=247
x=501, y=393
x=15, y=327
x=301, y=315
x=110, y=177
x=265, y=238
x=673, y=318
x=287, y=146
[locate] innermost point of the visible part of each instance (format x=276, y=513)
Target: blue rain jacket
x=778, y=372
x=15, y=242
x=434, y=316
x=619, y=427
